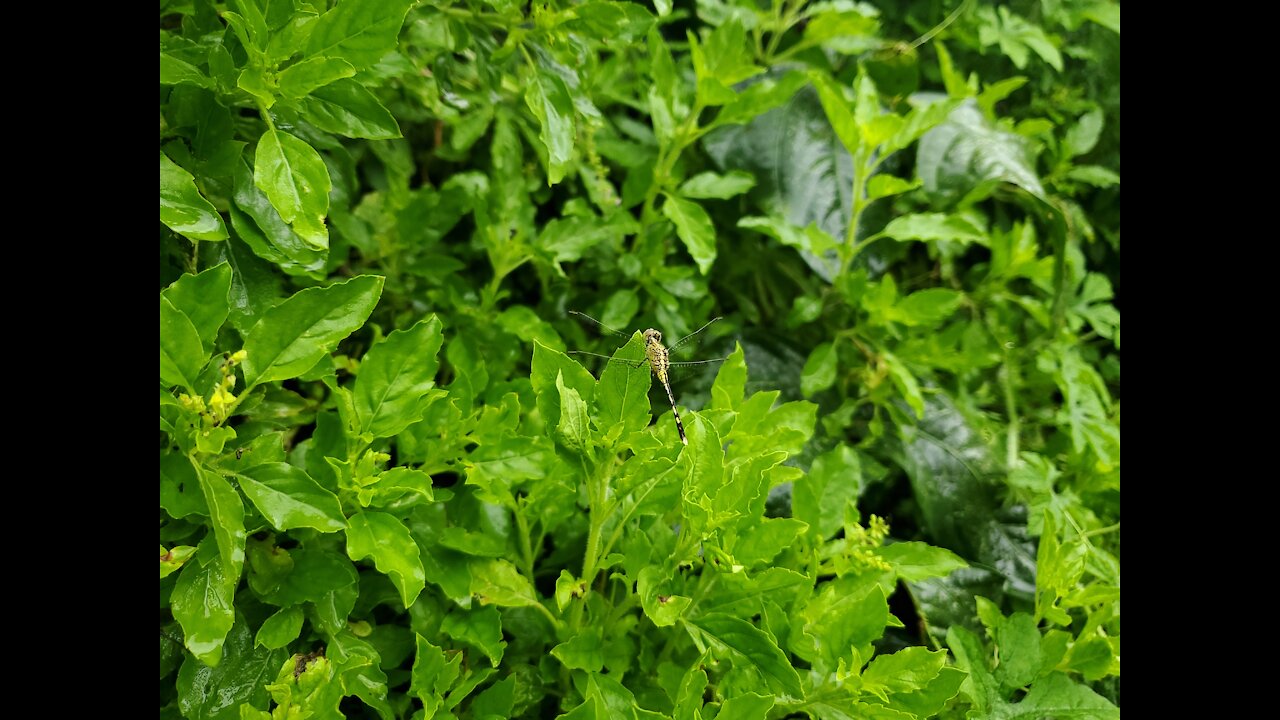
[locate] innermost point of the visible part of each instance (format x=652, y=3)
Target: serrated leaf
x=183, y=208
x=755, y=647
x=819, y=498
x=694, y=228
x=292, y=336
x=396, y=378
x=498, y=582
x=288, y=498
x=385, y=539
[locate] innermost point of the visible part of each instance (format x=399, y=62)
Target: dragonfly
x=658, y=358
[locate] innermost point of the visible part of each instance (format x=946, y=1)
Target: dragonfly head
x=652, y=336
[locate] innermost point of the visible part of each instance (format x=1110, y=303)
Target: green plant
x=385, y=488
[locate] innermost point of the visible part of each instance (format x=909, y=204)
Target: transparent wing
x=693, y=334
x=601, y=325
x=619, y=361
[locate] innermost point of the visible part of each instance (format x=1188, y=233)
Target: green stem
x=1011, y=409
x=526, y=550
x=858, y=202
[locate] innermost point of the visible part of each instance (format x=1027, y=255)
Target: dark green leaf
x=967, y=150
x=183, y=208
x=216, y=693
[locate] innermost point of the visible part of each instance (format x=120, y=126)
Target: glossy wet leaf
x=280, y=629
x=216, y=693
x=294, y=335
x=201, y=604
x=967, y=150
x=288, y=498
x=294, y=178
x=387, y=541
x=183, y=208
x=227, y=513
x=181, y=355
x=303, y=78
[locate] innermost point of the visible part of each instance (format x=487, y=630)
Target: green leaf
x=310, y=575
x=694, y=228
x=301, y=79
x=288, y=498
x=1094, y=175
x=385, y=539
x=218, y=692
x=572, y=430
x=548, y=99
x=882, y=185
x=183, y=208
x=202, y=605
x=756, y=647
x=227, y=513
x=396, y=377
x=717, y=186
x=174, y=71
x=481, y=629
x=203, y=299
x=547, y=364
x=260, y=226
x=838, y=111
x=803, y=172
x=498, y=582
x=749, y=706
x=663, y=608
x=296, y=181
x=181, y=354
x=819, y=371
x=432, y=674
x=1057, y=696
x=731, y=381
x=622, y=395
x=347, y=108
x=907, y=670
x=928, y=307
x=280, y=629
x=173, y=559
x=293, y=336
x=1018, y=641
x=929, y=227
x=846, y=614
x=358, y=31
x=819, y=498
x=914, y=561
x=582, y=652
x=967, y=150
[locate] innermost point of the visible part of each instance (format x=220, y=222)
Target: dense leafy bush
x=387, y=489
